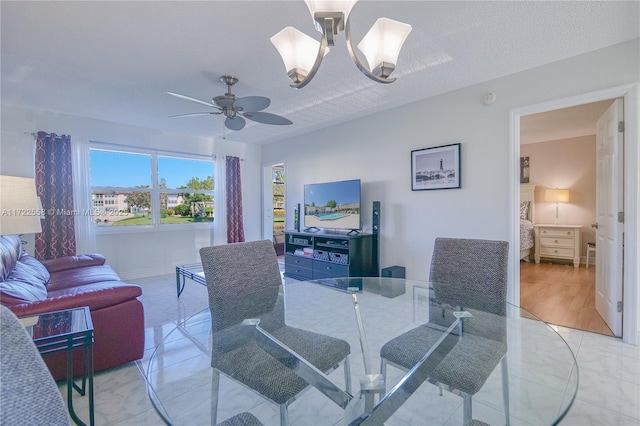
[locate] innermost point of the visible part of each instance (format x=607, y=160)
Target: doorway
x=630, y=176
x=274, y=205
x=559, y=150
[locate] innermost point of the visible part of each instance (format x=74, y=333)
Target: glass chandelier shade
x=297, y=51
x=381, y=45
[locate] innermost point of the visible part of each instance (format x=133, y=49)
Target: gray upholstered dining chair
x=243, y=282
x=471, y=275
x=28, y=393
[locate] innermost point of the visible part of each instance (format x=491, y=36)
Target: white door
x=609, y=202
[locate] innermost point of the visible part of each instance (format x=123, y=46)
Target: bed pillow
x=524, y=210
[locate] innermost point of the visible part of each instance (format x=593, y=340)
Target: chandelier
x=380, y=46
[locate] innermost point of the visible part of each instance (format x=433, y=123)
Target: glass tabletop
x=367, y=313
x=58, y=324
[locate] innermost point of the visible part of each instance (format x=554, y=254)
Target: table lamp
x=556, y=196
x=19, y=213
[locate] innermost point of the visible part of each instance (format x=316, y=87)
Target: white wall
x=377, y=149
x=135, y=254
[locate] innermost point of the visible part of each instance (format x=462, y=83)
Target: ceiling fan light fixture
x=381, y=45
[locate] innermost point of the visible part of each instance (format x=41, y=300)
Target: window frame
x=154, y=189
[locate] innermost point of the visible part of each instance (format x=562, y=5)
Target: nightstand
x=558, y=242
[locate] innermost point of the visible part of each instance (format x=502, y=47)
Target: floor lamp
x=19, y=212
x=556, y=196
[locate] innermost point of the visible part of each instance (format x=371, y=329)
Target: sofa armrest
x=72, y=262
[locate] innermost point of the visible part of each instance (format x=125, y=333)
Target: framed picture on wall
x=524, y=169
x=435, y=168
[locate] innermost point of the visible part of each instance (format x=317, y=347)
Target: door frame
x=630, y=93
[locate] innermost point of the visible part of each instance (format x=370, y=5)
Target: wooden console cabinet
x=313, y=256
x=558, y=242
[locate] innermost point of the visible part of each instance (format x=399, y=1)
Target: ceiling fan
x=236, y=109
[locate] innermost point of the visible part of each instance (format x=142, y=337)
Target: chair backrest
x=28, y=393
x=475, y=272
x=243, y=281
x=472, y=273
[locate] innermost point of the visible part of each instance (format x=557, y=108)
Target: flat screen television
x=332, y=205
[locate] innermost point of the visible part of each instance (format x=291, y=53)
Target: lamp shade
x=298, y=50
x=382, y=44
x=19, y=213
x=556, y=195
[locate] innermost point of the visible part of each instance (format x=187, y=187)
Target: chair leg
x=347, y=375
x=383, y=372
x=466, y=408
x=215, y=386
x=284, y=415
x=505, y=388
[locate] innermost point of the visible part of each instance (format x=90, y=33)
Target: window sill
x=110, y=230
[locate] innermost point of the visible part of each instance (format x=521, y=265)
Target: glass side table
x=192, y=271
x=67, y=330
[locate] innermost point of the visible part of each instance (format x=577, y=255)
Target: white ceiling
x=562, y=123
x=115, y=60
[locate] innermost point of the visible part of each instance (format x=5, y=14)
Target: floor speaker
x=296, y=218
x=375, y=223
x=375, y=230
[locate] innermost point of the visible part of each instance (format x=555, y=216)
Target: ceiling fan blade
x=267, y=118
x=192, y=114
x=235, y=123
x=252, y=103
x=189, y=98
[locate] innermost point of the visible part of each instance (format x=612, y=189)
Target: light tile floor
x=608, y=394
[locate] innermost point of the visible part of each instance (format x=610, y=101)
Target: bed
x=527, y=216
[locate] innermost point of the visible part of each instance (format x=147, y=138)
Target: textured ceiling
x=116, y=60
x=562, y=123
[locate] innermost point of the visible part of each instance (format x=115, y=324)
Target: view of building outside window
x=124, y=190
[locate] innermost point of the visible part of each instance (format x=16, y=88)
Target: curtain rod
x=34, y=134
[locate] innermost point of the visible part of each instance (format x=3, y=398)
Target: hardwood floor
x=562, y=295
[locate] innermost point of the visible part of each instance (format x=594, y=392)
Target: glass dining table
x=541, y=378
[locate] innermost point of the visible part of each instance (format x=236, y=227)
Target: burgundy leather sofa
x=30, y=287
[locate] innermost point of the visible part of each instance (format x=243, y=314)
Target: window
x=148, y=188
x=186, y=190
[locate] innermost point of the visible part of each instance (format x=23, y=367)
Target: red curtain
x=235, y=227
x=54, y=184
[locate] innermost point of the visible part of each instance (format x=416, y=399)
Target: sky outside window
x=178, y=171
x=119, y=169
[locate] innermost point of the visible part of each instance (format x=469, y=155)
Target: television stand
x=319, y=255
